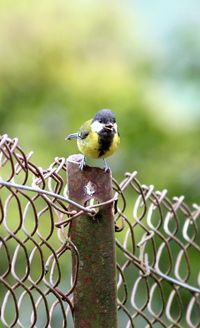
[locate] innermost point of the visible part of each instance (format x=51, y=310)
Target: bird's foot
x=82, y=164
x=106, y=167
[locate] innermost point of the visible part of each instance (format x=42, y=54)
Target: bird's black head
x=105, y=116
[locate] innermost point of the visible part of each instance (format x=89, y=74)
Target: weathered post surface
x=95, y=293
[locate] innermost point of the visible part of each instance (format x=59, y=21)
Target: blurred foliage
x=61, y=61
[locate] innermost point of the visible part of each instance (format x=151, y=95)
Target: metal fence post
x=95, y=300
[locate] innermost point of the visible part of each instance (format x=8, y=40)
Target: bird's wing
x=85, y=130
x=72, y=136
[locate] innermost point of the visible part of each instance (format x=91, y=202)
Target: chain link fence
x=157, y=242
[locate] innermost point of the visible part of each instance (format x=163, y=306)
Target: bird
x=97, y=137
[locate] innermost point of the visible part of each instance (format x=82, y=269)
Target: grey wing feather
x=72, y=136
x=83, y=132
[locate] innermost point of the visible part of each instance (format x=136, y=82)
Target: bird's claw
x=106, y=167
x=82, y=164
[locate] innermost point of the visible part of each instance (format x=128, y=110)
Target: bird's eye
x=100, y=121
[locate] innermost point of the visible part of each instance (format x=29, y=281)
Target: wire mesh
x=157, y=242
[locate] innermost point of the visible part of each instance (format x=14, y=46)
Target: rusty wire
x=157, y=243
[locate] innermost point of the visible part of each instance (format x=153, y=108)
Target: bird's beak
x=109, y=126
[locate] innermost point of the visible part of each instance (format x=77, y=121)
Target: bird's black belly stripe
x=105, y=141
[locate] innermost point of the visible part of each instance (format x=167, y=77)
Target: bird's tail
x=72, y=136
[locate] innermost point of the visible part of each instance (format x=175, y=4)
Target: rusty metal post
x=95, y=293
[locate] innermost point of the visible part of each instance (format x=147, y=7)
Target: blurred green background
x=61, y=61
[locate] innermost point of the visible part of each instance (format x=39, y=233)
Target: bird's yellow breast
x=90, y=145
x=113, y=146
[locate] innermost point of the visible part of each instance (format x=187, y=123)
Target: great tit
x=98, y=137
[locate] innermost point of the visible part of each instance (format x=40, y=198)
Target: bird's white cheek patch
x=96, y=126
x=115, y=127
